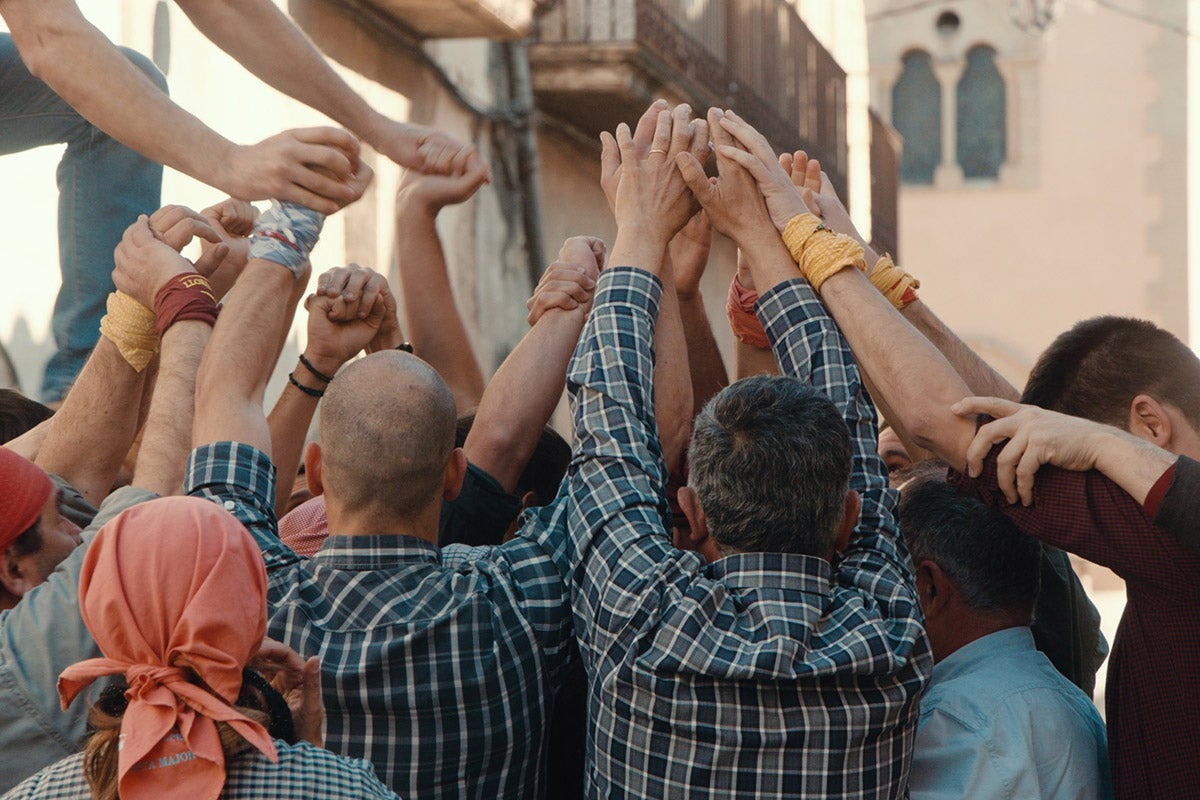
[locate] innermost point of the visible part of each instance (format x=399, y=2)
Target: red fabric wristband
x=742, y=320
x=187, y=296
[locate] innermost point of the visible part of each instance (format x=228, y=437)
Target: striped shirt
x=442, y=678
x=761, y=674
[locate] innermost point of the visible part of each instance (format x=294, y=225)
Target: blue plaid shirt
x=303, y=771
x=442, y=678
x=759, y=675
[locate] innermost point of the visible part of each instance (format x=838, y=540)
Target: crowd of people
x=724, y=581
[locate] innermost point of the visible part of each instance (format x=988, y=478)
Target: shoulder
x=61, y=781
x=302, y=770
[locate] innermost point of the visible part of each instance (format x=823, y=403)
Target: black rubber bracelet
x=321, y=376
x=405, y=346
x=308, y=391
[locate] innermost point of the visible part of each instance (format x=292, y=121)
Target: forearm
x=522, y=395
x=75, y=59
x=288, y=422
x=913, y=378
x=90, y=435
x=242, y=356
x=162, y=459
x=704, y=357
x=672, y=376
x=1132, y=463
x=435, y=327
x=290, y=63
x=981, y=379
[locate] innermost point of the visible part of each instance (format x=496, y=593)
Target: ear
x=528, y=500
x=696, y=539
x=452, y=478
x=849, y=520
x=936, y=590
x=312, y=469
x=1149, y=420
x=11, y=576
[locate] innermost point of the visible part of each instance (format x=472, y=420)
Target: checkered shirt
x=762, y=674
x=303, y=771
x=442, y=678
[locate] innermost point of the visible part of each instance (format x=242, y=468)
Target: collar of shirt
x=375, y=552
x=789, y=571
x=971, y=657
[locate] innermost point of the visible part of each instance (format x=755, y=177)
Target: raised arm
x=91, y=434
x=293, y=65
x=337, y=331
x=82, y=66
x=431, y=315
x=912, y=376
x=689, y=252
x=526, y=388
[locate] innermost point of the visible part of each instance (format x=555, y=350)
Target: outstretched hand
x=345, y=315
x=1035, y=437
x=754, y=153
x=299, y=681
x=821, y=198
x=689, y=254
x=318, y=168
x=431, y=193
x=233, y=221
x=428, y=150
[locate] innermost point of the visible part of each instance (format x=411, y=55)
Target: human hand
x=734, y=200
x=754, y=153
x=299, y=682
x=652, y=202
x=144, y=263
x=1035, y=437
x=318, y=168
x=427, y=150
x=430, y=193
x=570, y=281
x=610, y=153
x=689, y=254
x=821, y=198
x=233, y=221
x=345, y=314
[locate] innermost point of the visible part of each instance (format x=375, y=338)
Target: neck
x=375, y=521
x=969, y=628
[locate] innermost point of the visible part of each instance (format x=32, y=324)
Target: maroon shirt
x=1153, y=702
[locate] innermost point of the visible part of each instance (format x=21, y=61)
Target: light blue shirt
x=998, y=720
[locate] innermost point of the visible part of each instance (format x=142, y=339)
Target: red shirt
x=1153, y=702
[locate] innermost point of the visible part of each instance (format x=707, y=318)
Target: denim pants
x=102, y=187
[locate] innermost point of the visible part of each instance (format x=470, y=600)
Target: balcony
x=600, y=62
x=453, y=19
x=885, y=187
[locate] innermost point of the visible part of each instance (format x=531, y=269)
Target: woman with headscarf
x=174, y=592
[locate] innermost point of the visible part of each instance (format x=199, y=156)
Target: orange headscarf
x=169, y=584
x=24, y=491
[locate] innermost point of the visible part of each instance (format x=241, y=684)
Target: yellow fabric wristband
x=895, y=284
x=819, y=251
x=130, y=326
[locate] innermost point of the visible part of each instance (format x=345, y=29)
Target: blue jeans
x=102, y=187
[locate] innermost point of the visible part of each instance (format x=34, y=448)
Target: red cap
x=24, y=490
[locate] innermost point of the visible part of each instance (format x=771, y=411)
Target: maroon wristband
x=187, y=296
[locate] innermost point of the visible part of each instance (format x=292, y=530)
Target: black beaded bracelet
x=318, y=393
x=321, y=376
x=405, y=346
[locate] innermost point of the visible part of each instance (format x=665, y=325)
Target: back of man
x=442, y=678
x=997, y=719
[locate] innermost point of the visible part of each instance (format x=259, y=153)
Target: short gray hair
x=770, y=464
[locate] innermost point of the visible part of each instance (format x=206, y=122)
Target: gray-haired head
x=770, y=464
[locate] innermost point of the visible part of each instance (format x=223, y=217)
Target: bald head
x=387, y=433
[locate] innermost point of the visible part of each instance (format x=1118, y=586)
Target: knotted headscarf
x=24, y=491
x=168, y=585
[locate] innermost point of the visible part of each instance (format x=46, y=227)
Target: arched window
x=917, y=115
x=982, y=135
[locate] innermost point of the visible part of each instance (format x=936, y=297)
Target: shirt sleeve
x=241, y=479
x=1179, y=511
x=1087, y=514
x=615, y=488
x=809, y=347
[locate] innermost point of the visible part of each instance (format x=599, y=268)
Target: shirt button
x=230, y=505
